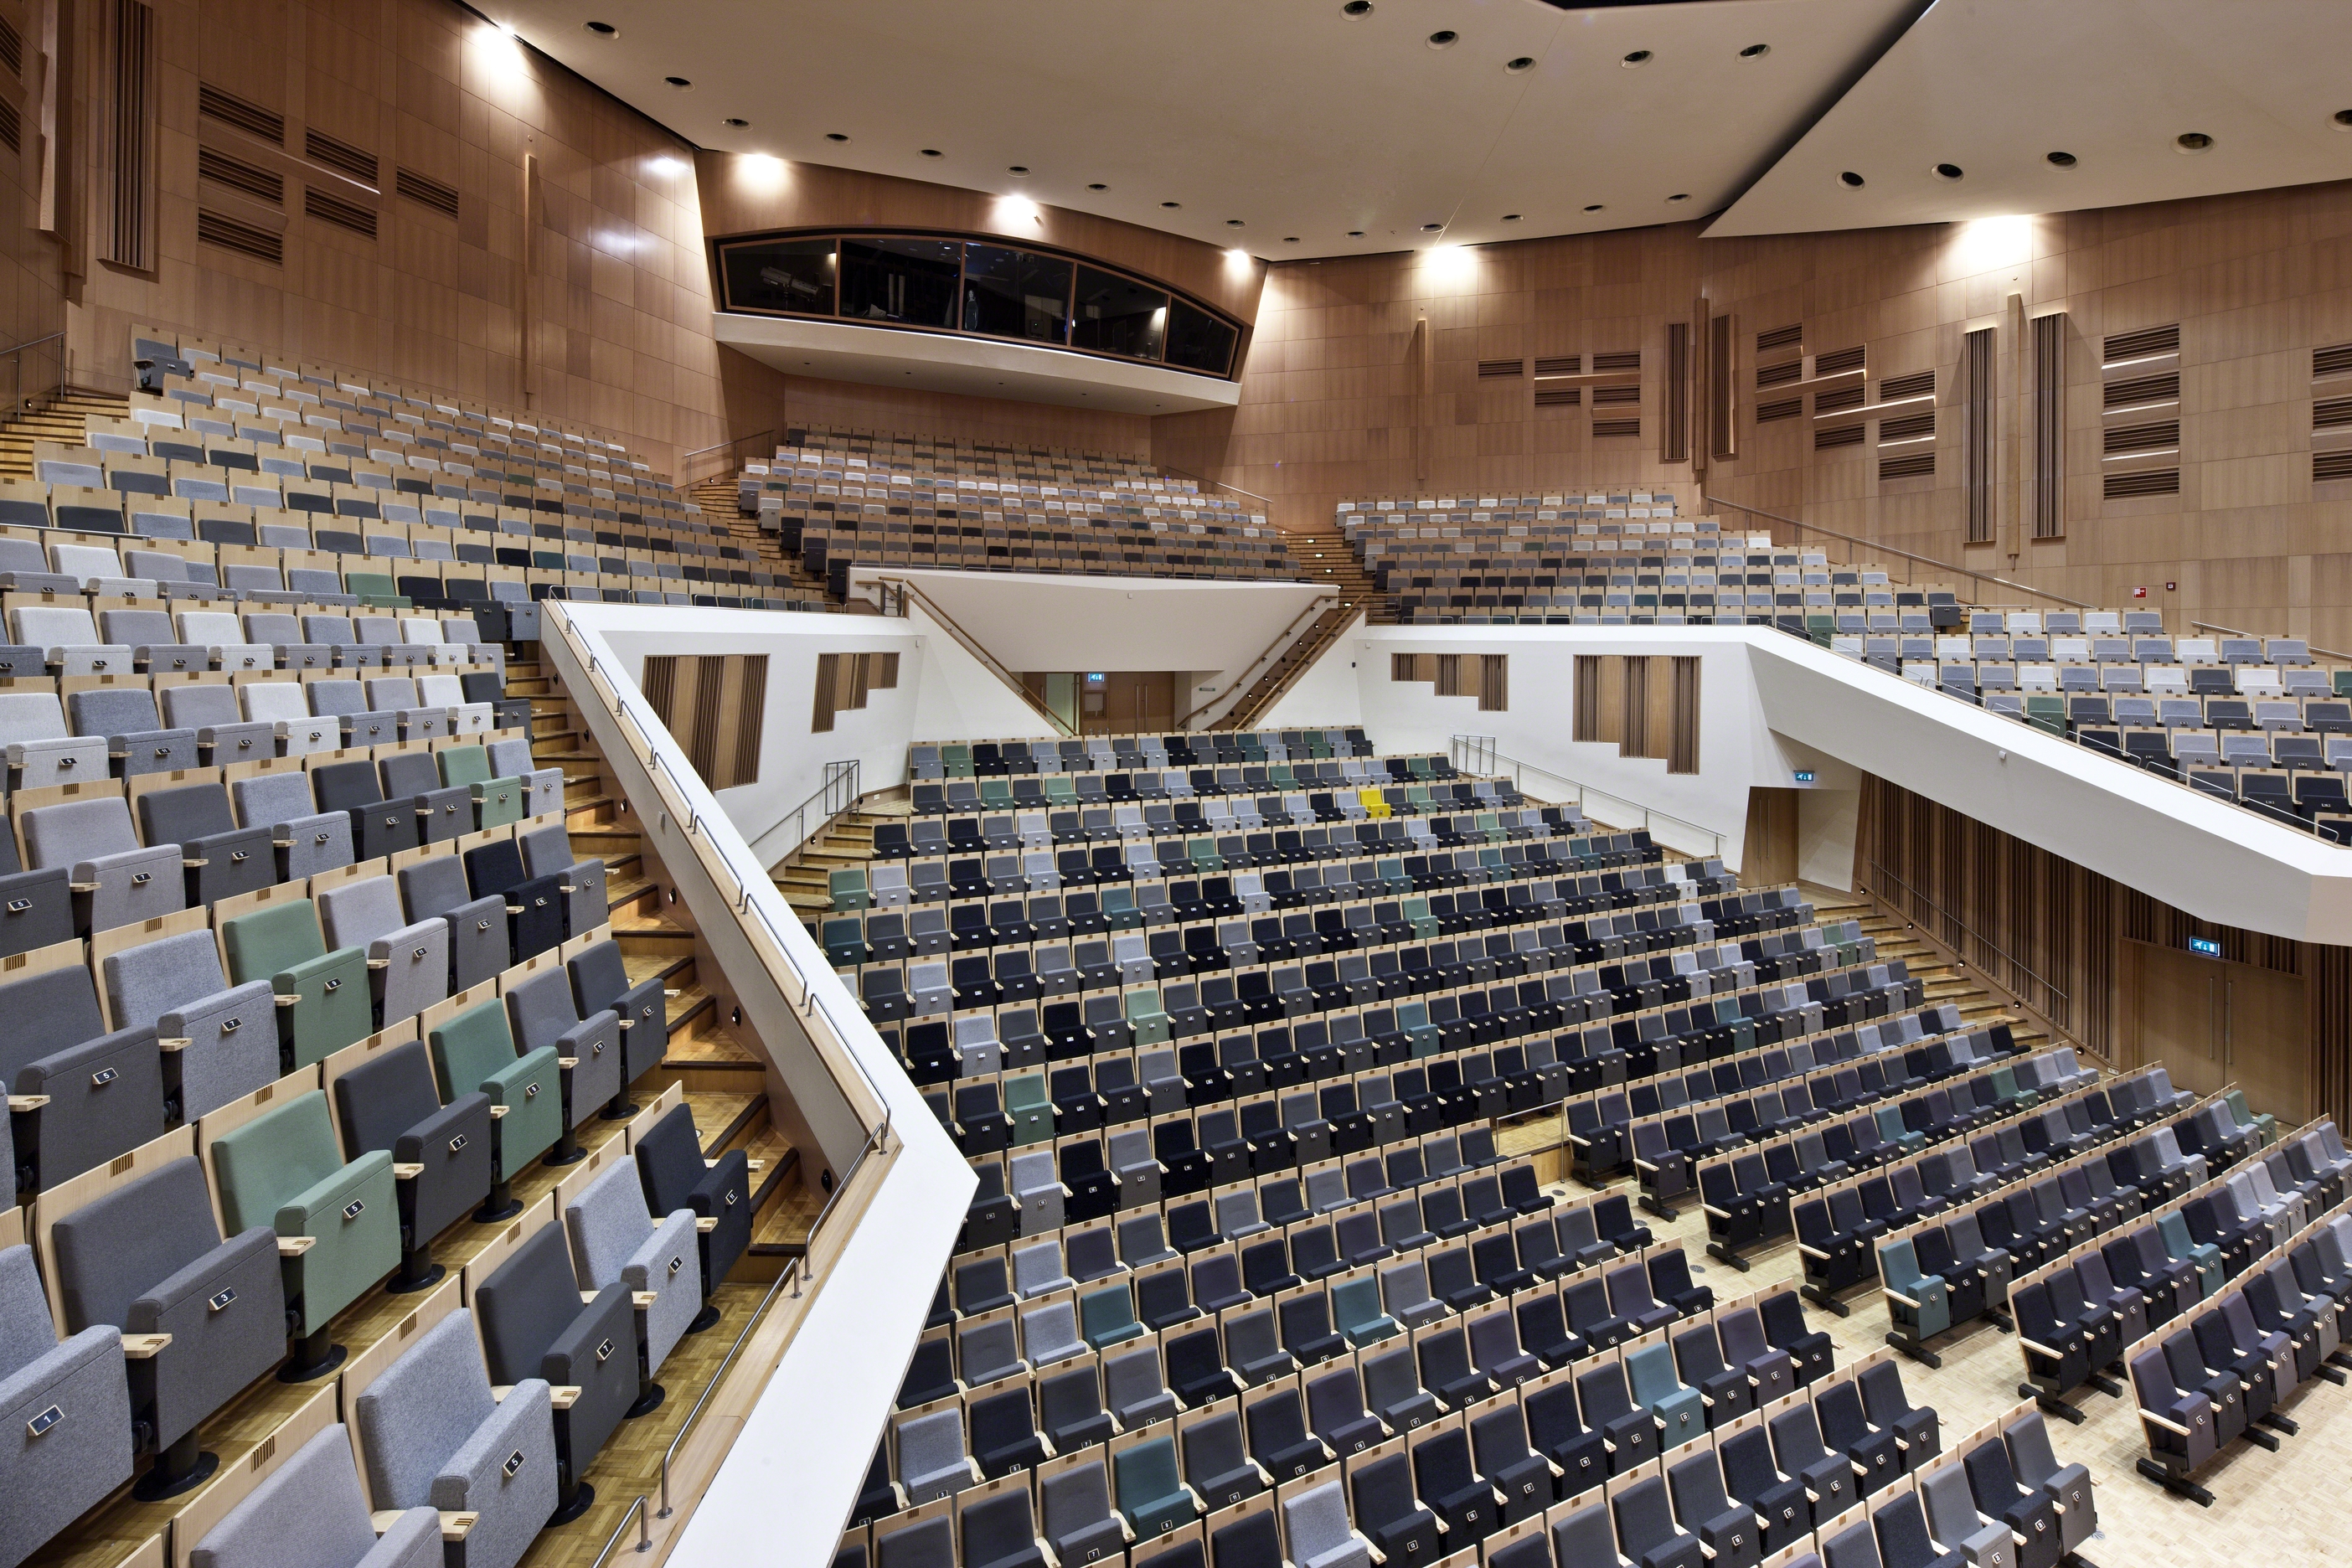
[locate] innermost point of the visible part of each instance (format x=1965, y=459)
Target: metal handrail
x=799, y=1271
x=1890, y=550
x=16, y=353
x=1479, y=753
x=2234, y=632
x=1205, y=479
x=812, y=1004
x=906, y=591
x=1965, y=935
x=727, y=446
x=1315, y=608
x=835, y=773
x=645, y=1538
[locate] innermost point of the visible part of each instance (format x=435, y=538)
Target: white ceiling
x=1300, y=120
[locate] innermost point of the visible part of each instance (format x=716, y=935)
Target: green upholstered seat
x=324, y=1000
x=475, y=1051
x=285, y=1170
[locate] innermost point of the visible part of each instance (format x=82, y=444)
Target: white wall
x=1772, y=705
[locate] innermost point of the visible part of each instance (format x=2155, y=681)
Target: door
x=2212, y=1023
x=1769, y=854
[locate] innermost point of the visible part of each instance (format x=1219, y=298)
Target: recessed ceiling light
x=1172, y=204
x=1017, y=169
x=1431, y=227
x=2344, y=120
x=1097, y=185
x=1522, y=63
x=1638, y=57
x=1947, y=171
x=2192, y=141
x=933, y=153
x=1679, y=196
x=2062, y=160
x=1851, y=181
x=603, y=29
x=1355, y=9
x=1355, y=234
x=1510, y=217
x=679, y=82
x=737, y=121
x=1755, y=51
x=1444, y=38
x=1594, y=208
x=834, y=136
x=1290, y=239
x=1232, y=222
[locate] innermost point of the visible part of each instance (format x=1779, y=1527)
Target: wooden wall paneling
x=1769, y=852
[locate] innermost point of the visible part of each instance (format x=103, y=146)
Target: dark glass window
x=1198, y=341
x=1117, y=315
x=907, y=281
x=1015, y=294
x=793, y=275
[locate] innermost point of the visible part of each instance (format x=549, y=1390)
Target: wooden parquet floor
x=2287, y=1509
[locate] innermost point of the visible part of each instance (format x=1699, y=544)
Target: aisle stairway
x=716, y=497
x=61, y=420
x=803, y=874
x=1946, y=982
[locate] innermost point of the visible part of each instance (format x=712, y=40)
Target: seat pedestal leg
x=2178, y=1486
x=500, y=1204
x=178, y=1469
x=315, y=1355
x=417, y=1272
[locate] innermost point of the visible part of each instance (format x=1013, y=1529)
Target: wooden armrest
x=1810, y=1251
x=643, y=1300
x=172, y=1043
x=2037, y=1349
x=454, y=1526
x=1899, y=1295
x=139, y=1347
x=27, y=1102
x=567, y=1063
x=1719, y=1214
x=587, y=1297
x=2153, y=1419
x=499, y=1111
x=283, y=1000
x=295, y=1246
x=379, y=964
x=706, y=1224
x=563, y=1396
x=405, y=1173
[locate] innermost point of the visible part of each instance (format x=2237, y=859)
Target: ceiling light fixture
x=2344, y=120
x=1232, y=222
x=1679, y=196
x=2062, y=160
x=1511, y=218
x=1444, y=38
x=1097, y=185
x=834, y=136
x=1594, y=208
x=1355, y=234
x=603, y=29
x=679, y=82
x=1172, y=204
x=1356, y=8
x=1755, y=51
x=737, y=121
x=1851, y=181
x=2192, y=141
x=933, y=153
x=1522, y=63
x=1017, y=169
x=1947, y=172
x=1290, y=239
x=1431, y=227
x=1638, y=57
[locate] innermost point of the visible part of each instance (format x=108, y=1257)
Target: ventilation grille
x=2142, y=345
x=12, y=48
x=2155, y=437
x=319, y=204
x=238, y=175
x=1837, y=362
x=2146, y=482
x=2332, y=414
x=2331, y=465
x=1843, y=436
x=1618, y=361
x=243, y=113
x=1920, y=385
x=1908, y=427
x=133, y=135
x=2336, y=361
x=1909, y=466
x=426, y=191
x=1560, y=364
x=2164, y=388
x=341, y=156
x=1501, y=369
x=1767, y=412
x=1616, y=428
x=1780, y=374
x=1780, y=338
x=1844, y=398
x=213, y=228
x=2046, y=410
x=12, y=130
x=1619, y=395
x=1558, y=396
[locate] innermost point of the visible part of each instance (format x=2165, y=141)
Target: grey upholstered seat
x=308, y=840
x=543, y=1014
x=117, y=880
x=223, y=735
x=148, y=1259
x=391, y=1102
x=408, y=962
x=616, y=1241
x=478, y=946
x=175, y=986
x=547, y=852
x=67, y=1413
x=310, y=1510
x=40, y=750
x=104, y=1091
x=134, y=730
x=435, y=1436
x=535, y=1323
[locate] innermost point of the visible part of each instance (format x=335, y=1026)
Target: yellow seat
x=1375, y=808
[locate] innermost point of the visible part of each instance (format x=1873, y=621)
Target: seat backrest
x=422, y=1409
x=271, y=1159
x=144, y=983
x=310, y=1510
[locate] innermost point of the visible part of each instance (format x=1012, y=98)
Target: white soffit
x=974, y=367
x=1037, y=622
x=1293, y=118
x=1993, y=87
